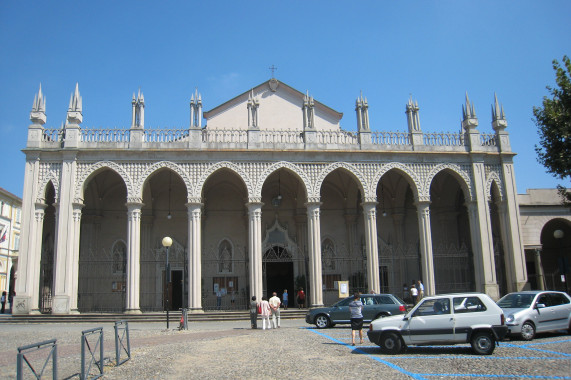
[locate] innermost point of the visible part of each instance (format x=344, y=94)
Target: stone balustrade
x=165, y=138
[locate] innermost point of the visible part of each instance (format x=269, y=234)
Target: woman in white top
x=265, y=306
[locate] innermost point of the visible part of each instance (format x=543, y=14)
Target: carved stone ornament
x=273, y=84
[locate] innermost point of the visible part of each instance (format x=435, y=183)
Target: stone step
x=174, y=316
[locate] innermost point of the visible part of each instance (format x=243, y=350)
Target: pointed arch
x=147, y=174
x=494, y=178
x=356, y=174
x=292, y=168
x=85, y=175
x=461, y=173
x=41, y=196
x=206, y=173
x=406, y=172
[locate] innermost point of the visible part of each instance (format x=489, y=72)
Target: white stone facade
x=271, y=194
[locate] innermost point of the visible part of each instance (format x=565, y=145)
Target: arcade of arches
x=225, y=230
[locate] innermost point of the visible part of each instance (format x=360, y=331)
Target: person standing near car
x=356, y=309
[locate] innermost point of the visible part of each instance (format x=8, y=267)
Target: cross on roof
x=273, y=68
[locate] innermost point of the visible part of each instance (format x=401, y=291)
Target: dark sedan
x=374, y=306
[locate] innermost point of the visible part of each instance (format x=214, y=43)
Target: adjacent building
x=10, y=224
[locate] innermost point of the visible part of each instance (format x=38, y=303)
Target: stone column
x=133, y=257
x=425, y=236
x=314, y=252
x=372, y=248
x=194, y=257
x=255, y=248
x=75, y=256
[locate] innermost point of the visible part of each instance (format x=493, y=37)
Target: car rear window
x=468, y=305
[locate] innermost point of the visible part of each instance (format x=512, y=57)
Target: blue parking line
x=389, y=364
x=527, y=347
x=494, y=376
x=419, y=376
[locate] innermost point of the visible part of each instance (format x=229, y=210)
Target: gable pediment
x=280, y=108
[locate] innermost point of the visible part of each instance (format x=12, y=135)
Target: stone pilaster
x=65, y=240
x=482, y=248
x=75, y=256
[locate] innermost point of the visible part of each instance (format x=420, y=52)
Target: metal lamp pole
x=167, y=242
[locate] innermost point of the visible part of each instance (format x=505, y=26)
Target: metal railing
x=21, y=359
x=86, y=348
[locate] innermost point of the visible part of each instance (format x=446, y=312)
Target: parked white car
x=531, y=312
x=443, y=319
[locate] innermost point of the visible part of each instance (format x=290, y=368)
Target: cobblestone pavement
x=231, y=350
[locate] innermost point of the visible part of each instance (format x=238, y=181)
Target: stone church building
x=262, y=193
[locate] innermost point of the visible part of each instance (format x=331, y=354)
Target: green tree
x=553, y=119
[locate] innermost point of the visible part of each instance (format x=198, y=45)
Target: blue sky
x=432, y=50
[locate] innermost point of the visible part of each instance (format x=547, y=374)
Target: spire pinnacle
x=38, y=114
x=499, y=122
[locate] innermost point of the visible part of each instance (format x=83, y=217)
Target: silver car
x=531, y=312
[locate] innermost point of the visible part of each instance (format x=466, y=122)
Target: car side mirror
x=539, y=305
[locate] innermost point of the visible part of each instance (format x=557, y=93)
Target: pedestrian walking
x=356, y=309
x=275, y=307
x=254, y=313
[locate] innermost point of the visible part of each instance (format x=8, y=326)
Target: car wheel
x=390, y=343
x=527, y=331
x=322, y=321
x=483, y=343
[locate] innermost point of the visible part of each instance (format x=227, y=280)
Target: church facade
x=270, y=194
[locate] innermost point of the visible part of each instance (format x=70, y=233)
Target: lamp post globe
x=167, y=241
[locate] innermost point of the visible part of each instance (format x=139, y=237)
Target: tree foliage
x=553, y=119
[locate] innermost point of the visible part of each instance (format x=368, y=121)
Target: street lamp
x=167, y=242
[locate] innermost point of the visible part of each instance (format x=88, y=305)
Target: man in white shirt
x=275, y=303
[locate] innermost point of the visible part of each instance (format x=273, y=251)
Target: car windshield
x=516, y=301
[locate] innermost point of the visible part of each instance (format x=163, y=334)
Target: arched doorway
x=278, y=271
